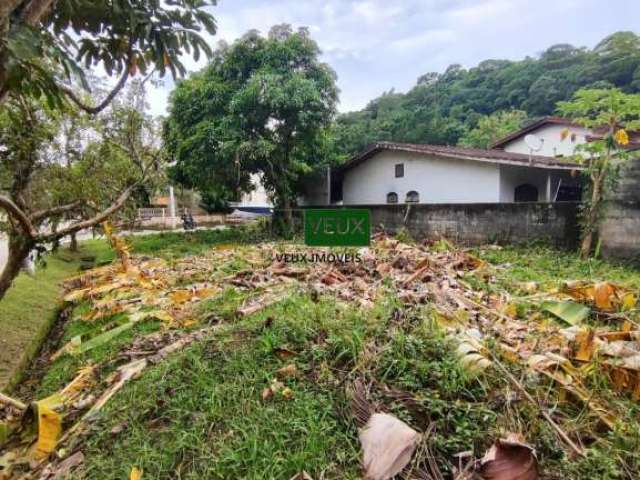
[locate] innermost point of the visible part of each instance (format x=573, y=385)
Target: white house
x=255, y=201
x=556, y=137
x=389, y=172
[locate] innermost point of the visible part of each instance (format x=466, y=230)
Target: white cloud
x=423, y=39
x=375, y=45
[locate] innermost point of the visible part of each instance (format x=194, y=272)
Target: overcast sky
x=376, y=45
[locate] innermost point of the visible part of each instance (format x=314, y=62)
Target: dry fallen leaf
x=288, y=371
x=301, y=476
x=510, y=459
x=387, y=446
x=49, y=430
x=136, y=473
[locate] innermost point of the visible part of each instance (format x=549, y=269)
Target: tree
x=45, y=47
x=457, y=98
x=491, y=128
x=263, y=106
x=38, y=52
x=60, y=181
x=609, y=112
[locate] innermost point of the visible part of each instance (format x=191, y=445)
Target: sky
x=377, y=45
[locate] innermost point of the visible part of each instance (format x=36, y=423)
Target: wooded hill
x=445, y=108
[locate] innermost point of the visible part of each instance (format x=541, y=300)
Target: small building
x=388, y=172
x=257, y=200
x=555, y=137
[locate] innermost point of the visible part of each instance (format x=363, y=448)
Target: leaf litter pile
x=528, y=344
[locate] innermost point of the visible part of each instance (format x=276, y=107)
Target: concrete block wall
x=620, y=227
x=482, y=223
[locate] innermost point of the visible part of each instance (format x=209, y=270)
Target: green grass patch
x=201, y=413
x=180, y=244
x=550, y=266
x=31, y=305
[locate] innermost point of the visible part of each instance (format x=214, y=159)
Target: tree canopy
x=263, y=106
x=44, y=44
x=443, y=107
x=610, y=112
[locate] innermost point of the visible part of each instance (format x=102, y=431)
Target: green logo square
x=348, y=227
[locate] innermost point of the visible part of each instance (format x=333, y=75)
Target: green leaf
x=101, y=339
x=570, y=312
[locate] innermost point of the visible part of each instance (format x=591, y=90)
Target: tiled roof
x=533, y=126
x=460, y=153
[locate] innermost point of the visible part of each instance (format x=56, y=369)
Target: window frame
x=399, y=168
x=410, y=192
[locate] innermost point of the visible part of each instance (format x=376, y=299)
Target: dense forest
x=472, y=107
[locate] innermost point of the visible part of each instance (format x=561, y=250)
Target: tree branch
x=35, y=10
x=16, y=213
x=102, y=105
x=7, y=7
x=49, y=212
x=100, y=217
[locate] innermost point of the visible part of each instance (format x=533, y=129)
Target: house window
x=525, y=193
x=413, y=197
x=399, y=170
x=392, y=197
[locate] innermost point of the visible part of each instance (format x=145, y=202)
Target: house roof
x=460, y=153
x=531, y=127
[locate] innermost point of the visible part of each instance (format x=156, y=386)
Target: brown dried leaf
x=510, y=459
x=288, y=371
x=387, y=446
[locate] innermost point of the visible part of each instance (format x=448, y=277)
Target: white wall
x=511, y=177
x=437, y=180
x=258, y=197
x=553, y=144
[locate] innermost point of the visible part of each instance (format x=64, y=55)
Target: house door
x=525, y=193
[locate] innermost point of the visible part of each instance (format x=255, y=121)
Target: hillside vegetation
x=444, y=108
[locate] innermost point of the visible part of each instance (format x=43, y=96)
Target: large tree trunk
x=288, y=216
x=19, y=248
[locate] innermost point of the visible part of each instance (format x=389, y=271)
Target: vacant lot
x=249, y=368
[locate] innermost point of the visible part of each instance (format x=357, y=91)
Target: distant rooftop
x=634, y=136
x=461, y=153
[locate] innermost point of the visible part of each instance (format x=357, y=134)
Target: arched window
x=413, y=197
x=392, y=197
x=525, y=193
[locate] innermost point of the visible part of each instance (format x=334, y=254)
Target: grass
x=180, y=244
x=549, y=266
x=30, y=307
x=200, y=414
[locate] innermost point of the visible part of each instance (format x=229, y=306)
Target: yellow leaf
x=76, y=295
x=49, y=430
x=511, y=310
x=181, y=296
x=603, y=292
x=621, y=137
x=584, y=346
x=136, y=473
x=628, y=301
